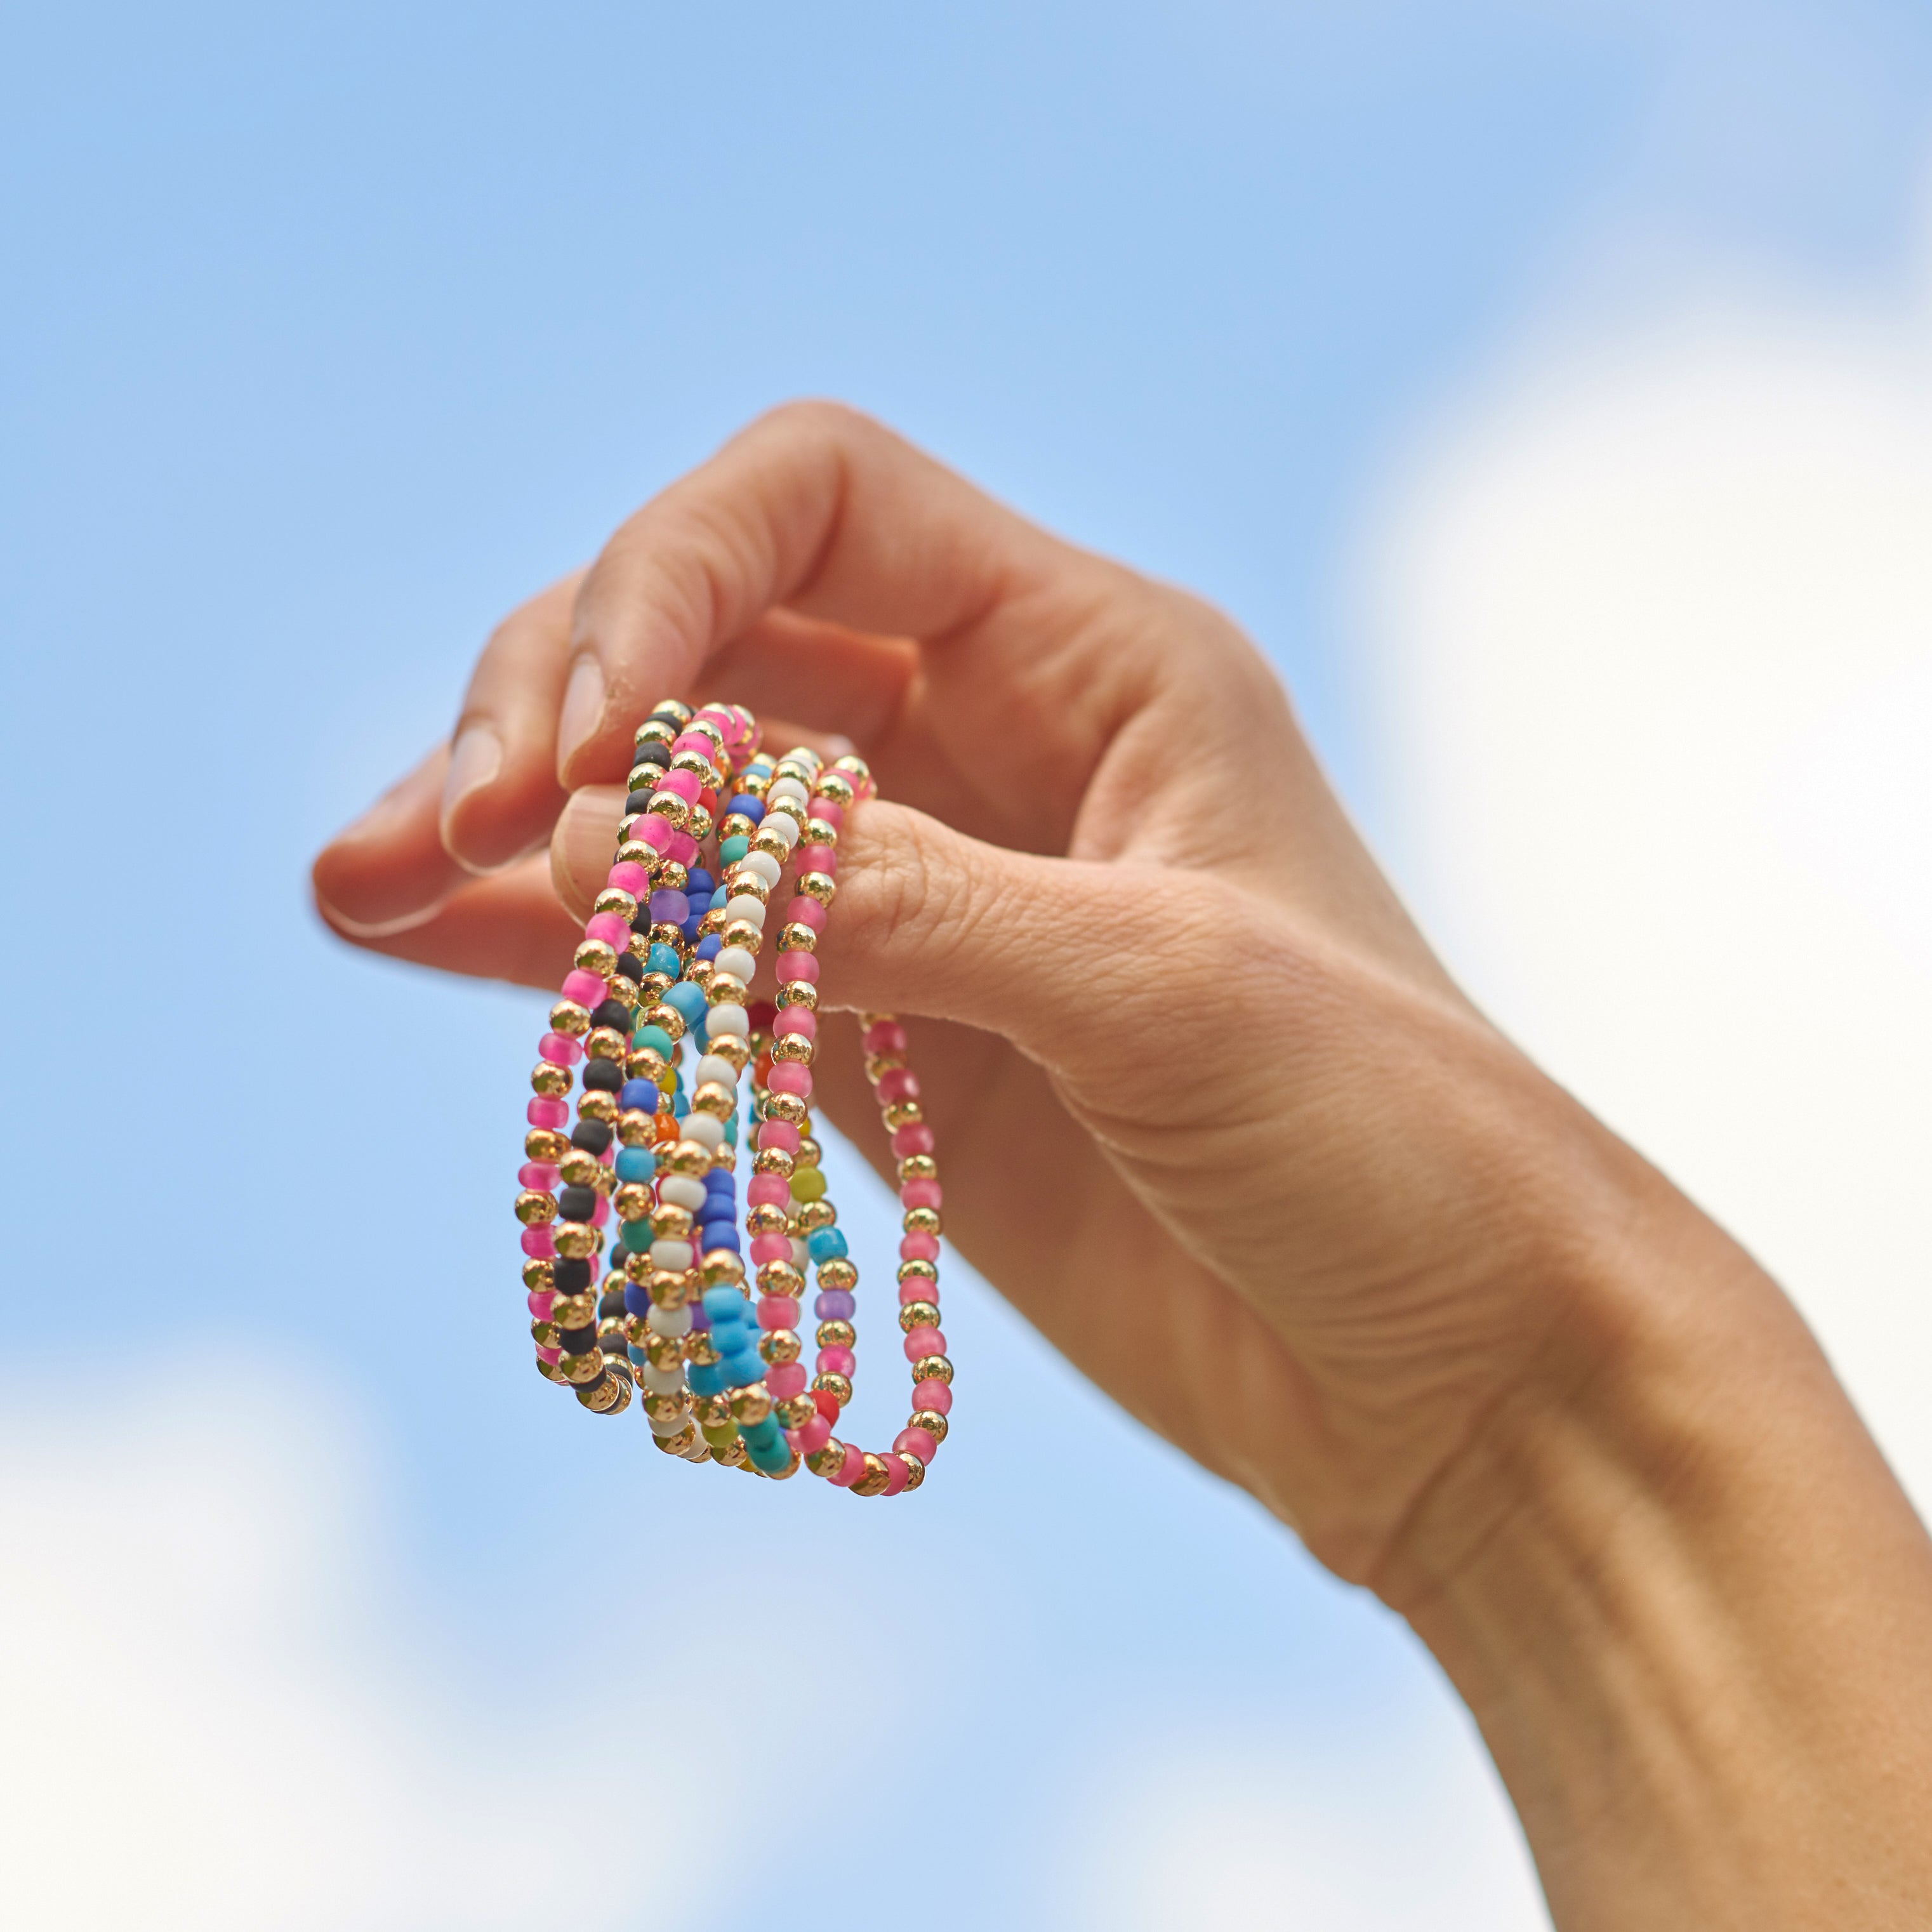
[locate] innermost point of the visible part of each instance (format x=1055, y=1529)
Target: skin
x=1214, y=1118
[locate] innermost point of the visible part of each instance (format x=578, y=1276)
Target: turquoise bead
x=731, y=1129
x=706, y=1377
x=688, y=1000
x=726, y=1304
x=636, y=1236
x=656, y=1036
x=731, y=850
x=636, y=1163
x=826, y=1244
x=743, y=1366
x=761, y=1435
x=664, y=959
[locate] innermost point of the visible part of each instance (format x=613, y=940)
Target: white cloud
x=1655, y=636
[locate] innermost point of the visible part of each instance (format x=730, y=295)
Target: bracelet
x=669, y=950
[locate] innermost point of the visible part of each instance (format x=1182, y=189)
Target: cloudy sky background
x=1548, y=386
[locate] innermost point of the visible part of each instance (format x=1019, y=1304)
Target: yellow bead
x=808, y=1184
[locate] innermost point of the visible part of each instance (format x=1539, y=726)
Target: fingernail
x=582, y=708
x=376, y=929
x=475, y=760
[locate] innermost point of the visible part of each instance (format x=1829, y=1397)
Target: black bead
x=637, y=801
x=610, y=1303
x=629, y=966
x=603, y=1076
x=611, y=1014
x=670, y=718
x=593, y=1136
x=576, y=1204
x=580, y=1341
x=570, y=1274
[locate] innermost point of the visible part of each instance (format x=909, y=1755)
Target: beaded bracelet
x=720, y=1384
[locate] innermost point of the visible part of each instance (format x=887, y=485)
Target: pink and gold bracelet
x=670, y=951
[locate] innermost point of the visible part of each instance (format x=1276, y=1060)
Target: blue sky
x=332, y=334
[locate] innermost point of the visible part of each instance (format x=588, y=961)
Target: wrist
x=1685, y=1599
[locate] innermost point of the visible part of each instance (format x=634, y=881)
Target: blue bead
x=710, y=945
x=700, y=905
x=699, y=880
x=726, y=1304
x=689, y=928
x=638, y=1358
x=731, y=1130
x=706, y=1377
x=722, y=1234
x=679, y=1106
x=664, y=959
x=688, y=1000
x=720, y=1183
x=638, y=1094
x=743, y=1368
x=751, y=807
x=637, y=1299
x=826, y=1244
x=636, y=1163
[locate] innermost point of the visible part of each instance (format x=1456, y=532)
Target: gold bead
x=662, y=1351
x=698, y=765
x=669, y=1018
x=713, y=920
x=842, y=1273
x=733, y=1049
x=664, y=933
x=534, y=1208
x=829, y=1460
x=685, y=1439
x=773, y=844
x=614, y=898
x=735, y=825
x=699, y=1348
x=716, y=1099
x=581, y=1369
x=918, y=1167
x=821, y=832
x=922, y=1221
x=582, y=1169
x=668, y=1288
x=551, y=1372
x=576, y=1240
x=698, y=1452
x=794, y=1047
x=574, y=1311
x=671, y=1222
x=795, y=1412
x=607, y=1043
x=798, y=993
x=699, y=972
x=713, y=1411
x=811, y=1215
x=772, y=1160
x=645, y=1063
x=819, y=885
x=856, y=772
x=836, y=1334
x=610, y=1395
x=767, y=1218
x=836, y=787
x=918, y=1270
x=877, y=1065
x=668, y=806
x=835, y=1384
x=734, y=1455
x=672, y=877
x=721, y=1268
x=637, y=1268
x=698, y=823
x=552, y=1082
x=797, y=937
x=919, y=1315
x=635, y=1128
x=546, y=1144
x=750, y=1404
x=667, y=1404
x=810, y=1153
x=567, y=1017
x=930, y=1420
x=633, y=1201
x=623, y=988
x=546, y=1334
x=596, y=1105
x=740, y=884
x=782, y=1278
x=877, y=1477
x=691, y=1158
x=932, y=1369
x=727, y=989
x=539, y=1276
x=915, y=1472
x=643, y=776
x=780, y=1345
x=786, y=1107
x=903, y=1114
x=656, y=731
x=742, y=932
x=597, y=955
x=635, y=852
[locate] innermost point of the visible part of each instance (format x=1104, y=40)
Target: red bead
x=827, y=1404
x=885, y=1036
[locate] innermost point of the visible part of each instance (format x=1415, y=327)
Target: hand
x=1208, y=1111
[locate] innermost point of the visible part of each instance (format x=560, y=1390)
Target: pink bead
x=797, y=1019
x=779, y=1134
x=788, y=1077
x=683, y=850
x=925, y=1341
x=549, y=1355
x=540, y=1174
x=560, y=1049
x=797, y=966
x=803, y=911
x=539, y=1243
x=920, y=1248
x=817, y=859
x=655, y=833
x=627, y=876
x=833, y=815
x=609, y=928
x=543, y=1113
x=933, y=1395
x=600, y=1215
x=916, y=1138
x=913, y=1441
x=767, y=1190
x=695, y=741
x=922, y=1194
x=898, y=1083
x=541, y=1302
x=681, y=784
x=849, y=1472
x=897, y=1474
x=836, y=1361
x=770, y=1248
x=786, y=1379
x=811, y=1436
x=884, y=1036
x=916, y=1290
x=777, y=1311
x=585, y=988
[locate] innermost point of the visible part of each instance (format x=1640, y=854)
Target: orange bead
x=664, y=1130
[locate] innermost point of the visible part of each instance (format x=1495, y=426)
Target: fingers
x=388, y=871
x=814, y=507
x=508, y=927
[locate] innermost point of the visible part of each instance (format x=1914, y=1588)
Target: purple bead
x=834, y=1304
x=669, y=907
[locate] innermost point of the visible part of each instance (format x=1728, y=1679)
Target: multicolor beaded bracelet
x=719, y=1383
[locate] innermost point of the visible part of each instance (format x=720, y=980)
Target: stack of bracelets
x=668, y=958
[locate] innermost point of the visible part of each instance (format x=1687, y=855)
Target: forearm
x=1692, y=1612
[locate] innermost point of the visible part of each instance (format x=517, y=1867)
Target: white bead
x=668, y=1320
x=767, y=868
x=727, y=1018
x=787, y=786
x=706, y=1131
x=682, y=1190
x=801, y=1255
x=674, y=1256
x=668, y=1427
x=711, y=1069
x=661, y=1381
x=786, y=827
x=740, y=962
x=746, y=907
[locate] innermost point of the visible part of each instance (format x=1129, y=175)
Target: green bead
x=656, y=1036
x=731, y=850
